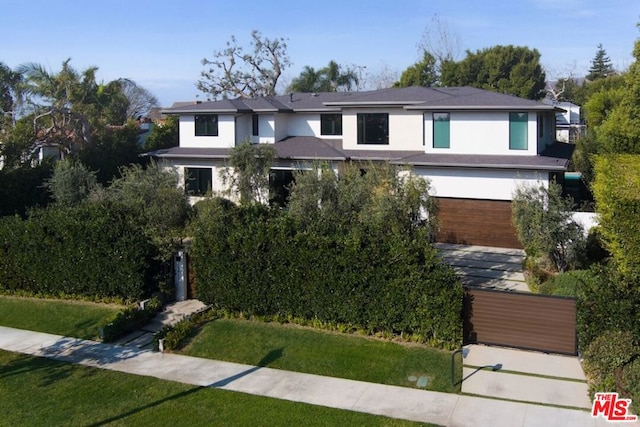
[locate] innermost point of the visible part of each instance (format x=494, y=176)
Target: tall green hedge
x=93, y=250
x=260, y=261
x=617, y=192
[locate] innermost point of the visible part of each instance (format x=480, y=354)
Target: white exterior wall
x=244, y=128
x=281, y=126
x=266, y=129
x=304, y=124
x=479, y=183
x=226, y=133
x=405, y=130
x=217, y=186
x=476, y=132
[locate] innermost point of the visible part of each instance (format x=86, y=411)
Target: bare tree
x=383, y=78
x=440, y=41
x=234, y=73
x=140, y=100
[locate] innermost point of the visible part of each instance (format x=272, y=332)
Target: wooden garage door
x=513, y=319
x=476, y=222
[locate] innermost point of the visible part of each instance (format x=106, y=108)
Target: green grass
x=41, y=392
x=69, y=318
x=324, y=353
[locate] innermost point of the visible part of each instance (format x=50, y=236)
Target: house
x=474, y=146
x=569, y=126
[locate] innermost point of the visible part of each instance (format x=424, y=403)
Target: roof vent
x=291, y=97
x=314, y=94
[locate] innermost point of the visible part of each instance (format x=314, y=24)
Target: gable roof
x=414, y=97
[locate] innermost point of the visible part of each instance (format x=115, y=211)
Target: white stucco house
x=474, y=146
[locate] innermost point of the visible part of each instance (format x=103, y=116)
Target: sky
x=160, y=44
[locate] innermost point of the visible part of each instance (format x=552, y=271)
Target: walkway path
x=397, y=402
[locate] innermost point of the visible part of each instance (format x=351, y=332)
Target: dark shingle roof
x=415, y=97
x=554, y=158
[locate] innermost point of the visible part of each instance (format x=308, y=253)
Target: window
x=197, y=181
x=256, y=124
x=441, y=130
x=540, y=125
x=373, y=128
x=518, y=131
x=330, y=124
x=207, y=125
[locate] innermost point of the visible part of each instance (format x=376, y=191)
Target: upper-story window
x=518, y=131
x=330, y=124
x=373, y=128
x=206, y=125
x=441, y=130
x=255, y=120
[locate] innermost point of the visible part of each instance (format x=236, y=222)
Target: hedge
x=259, y=261
x=91, y=250
x=129, y=320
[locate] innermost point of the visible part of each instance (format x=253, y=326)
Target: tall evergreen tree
x=600, y=65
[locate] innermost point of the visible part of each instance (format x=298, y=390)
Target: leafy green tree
x=328, y=79
x=163, y=135
x=247, y=173
x=543, y=221
x=111, y=149
x=373, y=194
x=236, y=74
x=21, y=188
x=422, y=73
x=71, y=182
x=601, y=67
x=152, y=196
x=10, y=90
x=509, y=69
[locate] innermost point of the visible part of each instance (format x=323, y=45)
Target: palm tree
x=10, y=89
x=328, y=79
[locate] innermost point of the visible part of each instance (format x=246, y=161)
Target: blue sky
x=160, y=44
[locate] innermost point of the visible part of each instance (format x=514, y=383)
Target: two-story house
x=474, y=146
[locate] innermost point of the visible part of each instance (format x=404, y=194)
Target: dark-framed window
x=330, y=124
x=197, y=181
x=255, y=124
x=206, y=124
x=373, y=128
x=518, y=131
x=441, y=130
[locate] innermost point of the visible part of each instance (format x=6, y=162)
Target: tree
x=163, y=135
x=422, y=73
x=71, y=182
x=10, y=91
x=152, y=196
x=441, y=42
x=509, y=69
x=328, y=79
x=248, y=172
x=139, y=100
x=234, y=73
x=543, y=221
x=600, y=65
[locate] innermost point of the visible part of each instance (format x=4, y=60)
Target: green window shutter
x=518, y=131
x=441, y=130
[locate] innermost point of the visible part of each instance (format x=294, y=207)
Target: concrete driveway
x=525, y=376
x=486, y=267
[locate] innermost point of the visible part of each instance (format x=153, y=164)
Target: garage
x=476, y=222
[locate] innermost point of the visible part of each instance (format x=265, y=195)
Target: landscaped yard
x=69, y=318
x=324, y=353
x=38, y=392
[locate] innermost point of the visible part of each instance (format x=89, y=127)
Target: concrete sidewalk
x=397, y=402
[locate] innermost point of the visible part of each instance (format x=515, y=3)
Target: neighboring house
x=474, y=146
x=569, y=127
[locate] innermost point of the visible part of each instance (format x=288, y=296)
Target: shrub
x=565, y=284
x=129, y=320
x=605, y=358
x=173, y=335
x=92, y=250
x=631, y=383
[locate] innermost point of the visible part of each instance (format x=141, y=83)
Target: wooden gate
x=522, y=320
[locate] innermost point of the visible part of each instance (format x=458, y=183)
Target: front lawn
x=61, y=317
x=318, y=352
x=42, y=392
